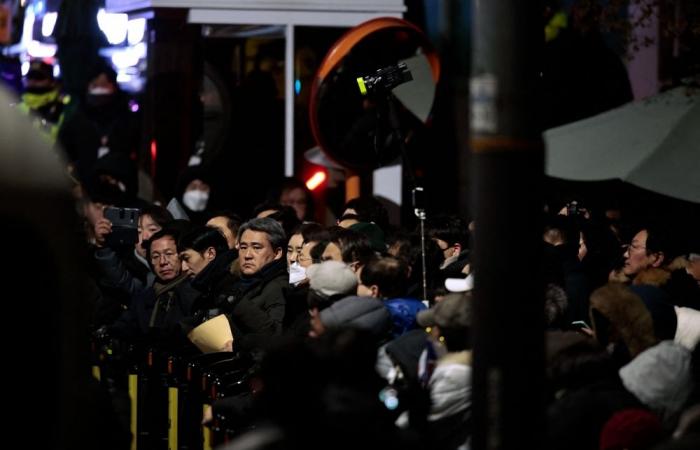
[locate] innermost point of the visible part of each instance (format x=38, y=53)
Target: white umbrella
x=652, y=143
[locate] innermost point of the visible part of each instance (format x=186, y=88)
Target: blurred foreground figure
x=48, y=352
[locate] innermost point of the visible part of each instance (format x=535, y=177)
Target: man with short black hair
x=386, y=278
x=157, y=311
x=228, y=223
x=669, y=292
x=648, y=249
x=451, y=233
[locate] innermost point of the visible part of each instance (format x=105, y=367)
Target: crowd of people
x=349, y=350
x=358, y=338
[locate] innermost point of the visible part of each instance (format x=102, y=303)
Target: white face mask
x=297, y=274
x=196, y=199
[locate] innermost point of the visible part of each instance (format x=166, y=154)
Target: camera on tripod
x=385, y=79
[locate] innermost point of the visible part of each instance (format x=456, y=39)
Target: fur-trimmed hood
x=653, y=276
x=681, y=288
x=616, y=311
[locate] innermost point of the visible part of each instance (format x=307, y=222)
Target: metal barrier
x=169, y=393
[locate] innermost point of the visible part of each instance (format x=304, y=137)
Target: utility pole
x=506, y=184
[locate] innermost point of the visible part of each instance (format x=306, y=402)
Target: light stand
x=419, y=211
x=380, y=85
x=417, y=192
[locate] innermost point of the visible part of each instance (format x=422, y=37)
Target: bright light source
x=154, y=155
x=48, y=23
x=123, y=77
x=124, y=59
x=28, y=27
x=36, y=49
x=25, y=68
x=154, y=150
x=136, y=28
x=57, y=71
x=114, y=26
x=297, y=86
x=316, y=180
x=129, y=56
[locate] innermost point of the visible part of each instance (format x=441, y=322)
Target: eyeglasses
x=169, y=255
x=633, y=247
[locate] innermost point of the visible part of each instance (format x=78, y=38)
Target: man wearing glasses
x=647, y=250
x=157, y=311
x=669, y=292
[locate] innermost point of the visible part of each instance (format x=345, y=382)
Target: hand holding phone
x=101, y=230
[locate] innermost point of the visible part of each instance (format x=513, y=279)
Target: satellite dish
x=375, y=86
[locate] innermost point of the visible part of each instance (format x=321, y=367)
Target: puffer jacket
x=450, y=385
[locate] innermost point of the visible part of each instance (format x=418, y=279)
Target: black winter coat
x=155, y=314
x=255, y=306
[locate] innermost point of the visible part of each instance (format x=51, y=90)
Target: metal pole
x=424, y=273
x=507, y=163
x=289, y=102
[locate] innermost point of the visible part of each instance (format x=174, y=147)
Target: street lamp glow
x=48, y=23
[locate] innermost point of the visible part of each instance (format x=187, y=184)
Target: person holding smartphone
x=124, y=271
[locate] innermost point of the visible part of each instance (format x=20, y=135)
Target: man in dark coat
x=255, y=304
x=156, y=312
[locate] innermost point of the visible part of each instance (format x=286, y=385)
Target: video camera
x=385, y=79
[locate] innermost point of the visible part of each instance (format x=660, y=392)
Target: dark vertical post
x=172, y=110
x=448, y=25
x=507, y=165
x=459, y=13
